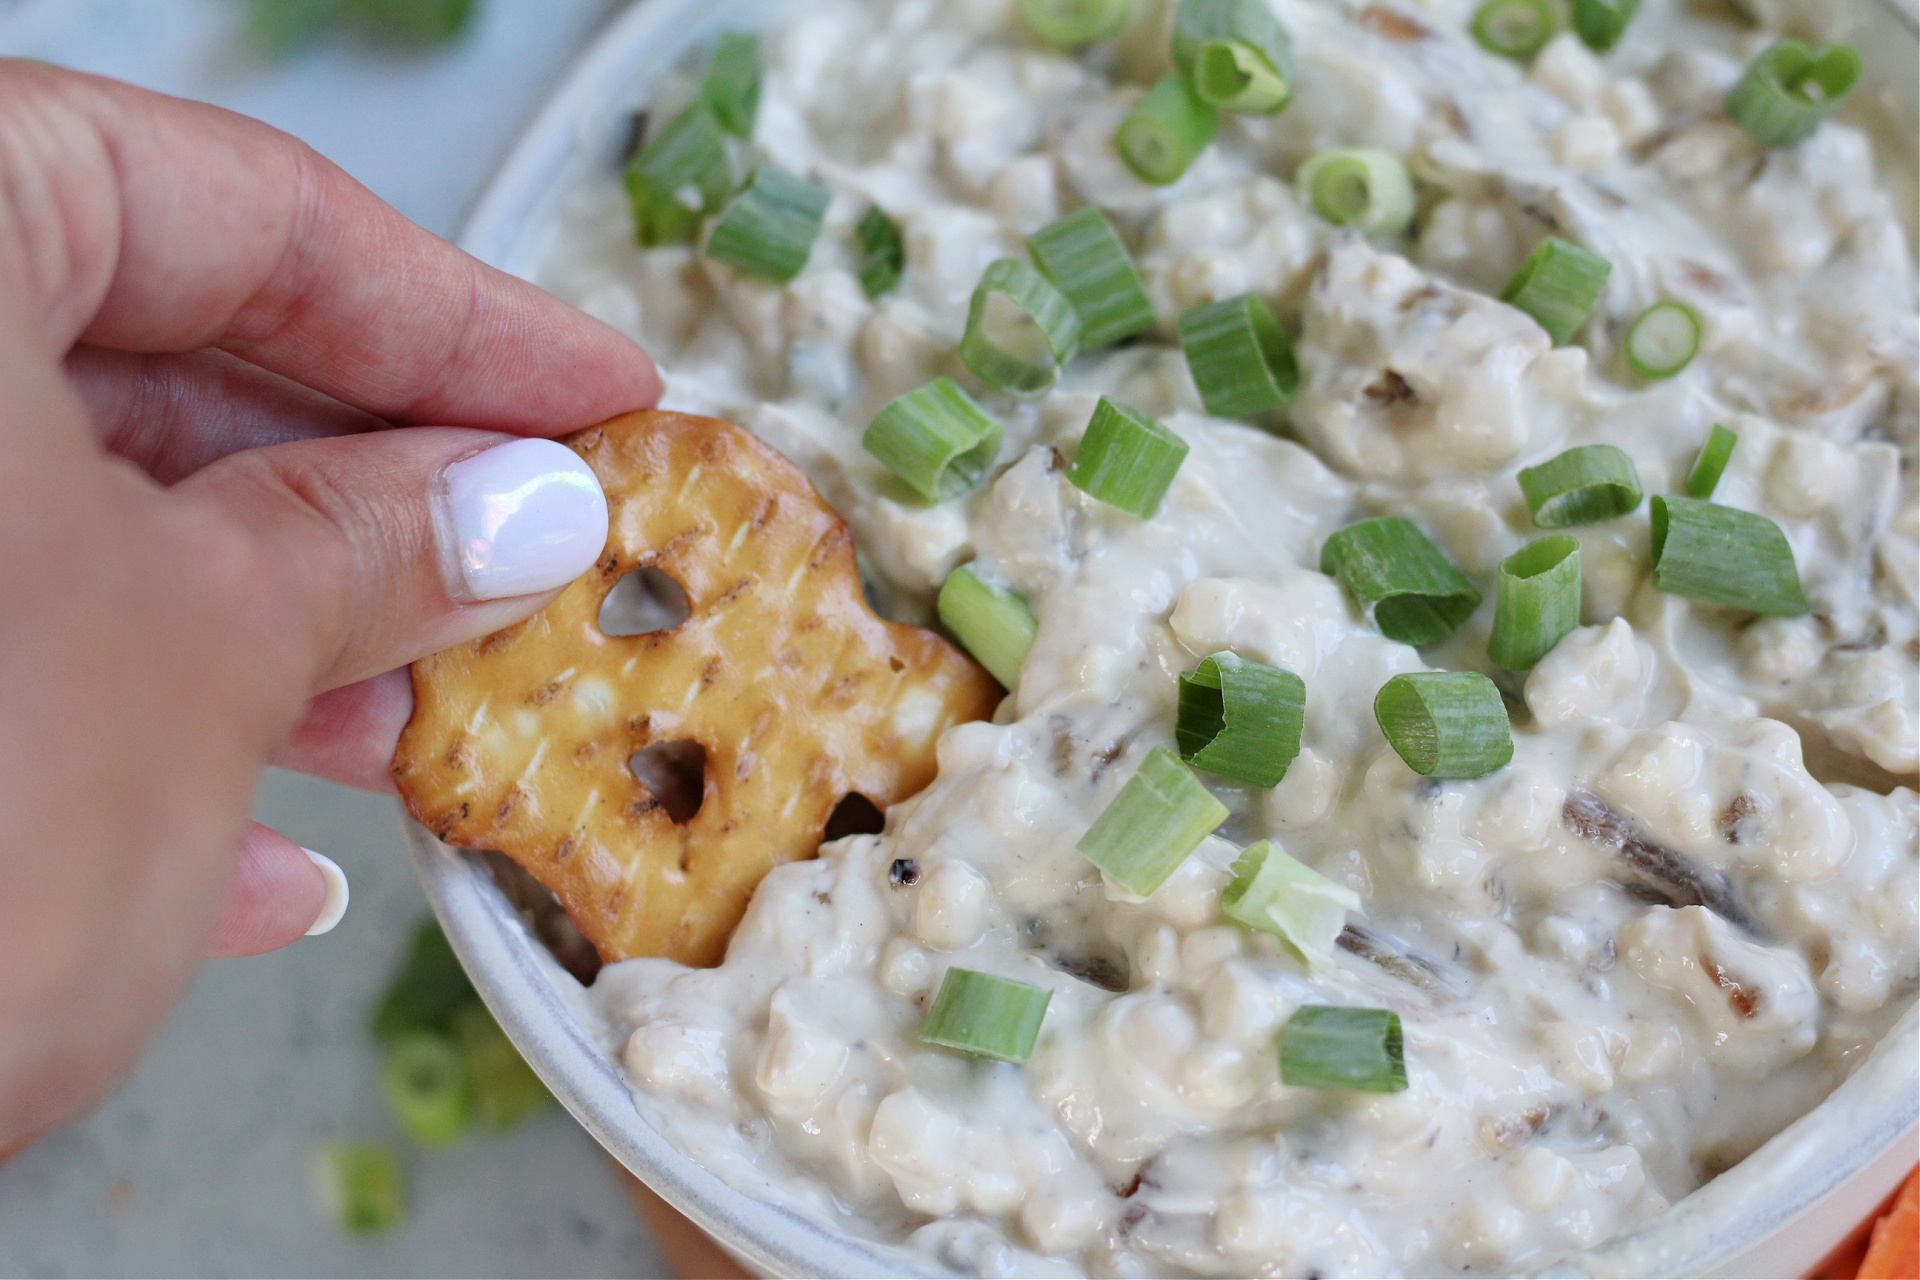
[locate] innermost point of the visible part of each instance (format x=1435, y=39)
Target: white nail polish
x=336, y=903
x=522, y=517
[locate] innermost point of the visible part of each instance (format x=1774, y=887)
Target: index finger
x=150, y=223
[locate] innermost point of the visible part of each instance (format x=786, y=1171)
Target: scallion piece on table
x=769, y=226
x=1166, y=130
x=1790, y=89
x=1068, y=24
x=1711, y=464
x=1558, y=285
x=936, y=439
x=1360, y=187
x=1537, y=601
x=1126, y=459
x=1445, y=724
x=883, y=253
x=1275, y=894
x=1391, y=568
x=1240, y=360
x=986, y=1014
x=1663, y=340
x=732, y=87
x=1236, y=54
x=992, y=623
x=1152, y=825
x=1584, y=485
x=1599, y=23
x=1724, y=555
x=428, y=1089
x=1240, y=719
x=1336, y=1047
x=505, y=1089
x=1515, y=29
x=678, y=177
x=1021, y=331
x=427, y=992
x=362, y=1186
x=1083, y=255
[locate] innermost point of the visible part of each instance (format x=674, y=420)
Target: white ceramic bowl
x=1775, y=1214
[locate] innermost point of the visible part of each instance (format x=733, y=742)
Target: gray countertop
x=200, y=1162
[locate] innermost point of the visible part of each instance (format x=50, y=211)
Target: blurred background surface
x=200, y=1164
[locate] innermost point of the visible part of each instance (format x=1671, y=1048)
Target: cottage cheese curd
x=1583, y=1047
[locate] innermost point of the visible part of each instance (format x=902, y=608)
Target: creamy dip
x=1581, y=1050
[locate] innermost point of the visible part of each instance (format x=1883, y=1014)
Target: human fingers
x=171, y=414
x=155, y=224
x=348, y=734
x=378, y=549
x=277, y=893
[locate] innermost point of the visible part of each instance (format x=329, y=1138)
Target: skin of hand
x=229, y=517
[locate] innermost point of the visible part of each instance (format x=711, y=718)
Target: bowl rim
x=1715, y=1230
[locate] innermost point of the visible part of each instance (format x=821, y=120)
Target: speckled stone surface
x=200, y=1163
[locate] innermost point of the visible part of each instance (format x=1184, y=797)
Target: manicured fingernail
x=523, y=517
x=336, y=903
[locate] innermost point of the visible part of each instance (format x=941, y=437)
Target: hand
x=215, y=549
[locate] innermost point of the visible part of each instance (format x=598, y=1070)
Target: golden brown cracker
x=800, y=696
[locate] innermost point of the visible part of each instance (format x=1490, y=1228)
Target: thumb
x=390, y=545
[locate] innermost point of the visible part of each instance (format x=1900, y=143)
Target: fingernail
x=336, y=903
x=522, y=517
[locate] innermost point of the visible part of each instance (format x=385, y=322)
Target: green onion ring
x=1584, y=485
x=1724, y=556
x=1445, y=724
x=1537, y=601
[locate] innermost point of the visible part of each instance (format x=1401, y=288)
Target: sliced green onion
x=1126, y=459
x=1361, y=187
x=936, y=439
x=1240, y=719
x=769, y=226
x=883, y=254
x=1152, y=825
x=1600, y=22
x=1021, y=331
x=1712, y=462
x=1236, y=54
x=1537, y=601
x=1165, y=131
x=1332, y=1047
x=1584, y=485
x=1558, y=285
x=1070, y=23
x=1724, y=556
x=1445, y=724
x=362, y=1186
x=678, y=178
x=1389, y=566
x=986, y=1014
x=426, y=1084
x=1663, y=340
x=1515, y=29
x=1275, y=894
x=732, y=86
x=1083, y=256
x=1240, y=360
x=427, y=991
x=505, y=1089
x=993, y=623
x=1790, y=89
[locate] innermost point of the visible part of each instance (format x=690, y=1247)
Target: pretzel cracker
x=798, y=694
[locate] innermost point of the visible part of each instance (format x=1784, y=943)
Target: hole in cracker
x=674, y=774
x=643, y=602
x=544, y=917
x=855, y=815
